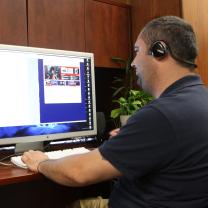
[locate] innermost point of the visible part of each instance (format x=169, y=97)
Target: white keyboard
x=52, y=155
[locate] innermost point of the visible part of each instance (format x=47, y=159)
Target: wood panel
x=107, y=32
x=13, y=26
x=144, y=11
x=56, y=24
x=122, y=3
x=141, y=14
x=196, y=13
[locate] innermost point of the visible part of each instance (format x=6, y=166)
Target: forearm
x=76, y=170
x=64, y=171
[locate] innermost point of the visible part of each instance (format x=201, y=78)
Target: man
x=161, y=155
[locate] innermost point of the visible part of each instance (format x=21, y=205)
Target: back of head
x=177, y=34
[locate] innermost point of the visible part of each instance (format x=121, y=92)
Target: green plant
x=134, y=101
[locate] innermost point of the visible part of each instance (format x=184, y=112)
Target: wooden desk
x=24, y=189
x=11, y=175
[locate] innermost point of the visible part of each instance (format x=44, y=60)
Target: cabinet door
x=13, y=22
x=56, y=24
x=107, y=31
x=144, y=11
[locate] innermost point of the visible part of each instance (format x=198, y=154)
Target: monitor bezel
x=56, y=136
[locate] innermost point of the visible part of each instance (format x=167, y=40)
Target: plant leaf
x=115, y=113
x=117, y=91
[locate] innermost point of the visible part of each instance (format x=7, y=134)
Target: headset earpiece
x=158, y=49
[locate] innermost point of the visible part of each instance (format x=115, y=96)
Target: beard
x=139, y=81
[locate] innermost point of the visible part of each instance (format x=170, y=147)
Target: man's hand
x=114, y=132
x=33, y=158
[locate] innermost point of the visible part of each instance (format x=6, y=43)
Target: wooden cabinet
x=13, y=22
x=56, y=24
x=144, y=11
x=107, y=29
x=98, y=26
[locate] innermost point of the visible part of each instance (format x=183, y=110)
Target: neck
x=167, y=76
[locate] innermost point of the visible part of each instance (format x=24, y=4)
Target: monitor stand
x=22, y=147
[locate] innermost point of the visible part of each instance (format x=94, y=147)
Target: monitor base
x=22, y=147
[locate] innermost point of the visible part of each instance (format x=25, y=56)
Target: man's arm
x=76, y=170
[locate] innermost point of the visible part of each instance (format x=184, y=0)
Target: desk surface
x=24, y=184
x=11, y=174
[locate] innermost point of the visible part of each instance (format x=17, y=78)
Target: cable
x=6, y=157
x=6, y=164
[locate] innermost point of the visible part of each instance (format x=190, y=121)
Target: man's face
x=144, y=65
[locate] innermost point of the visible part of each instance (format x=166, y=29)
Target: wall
x=196, y=12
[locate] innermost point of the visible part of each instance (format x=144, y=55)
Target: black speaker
x=101, y=124
x=159, y=49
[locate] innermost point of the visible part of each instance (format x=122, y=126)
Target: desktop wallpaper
x=54, y=117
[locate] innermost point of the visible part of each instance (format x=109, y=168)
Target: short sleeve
x=145, y=144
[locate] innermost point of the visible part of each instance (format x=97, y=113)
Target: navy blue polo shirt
x=162, y=152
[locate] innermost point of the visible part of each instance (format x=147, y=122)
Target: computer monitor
x=46, y=94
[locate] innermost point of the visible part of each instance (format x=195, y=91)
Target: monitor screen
x=46, y=94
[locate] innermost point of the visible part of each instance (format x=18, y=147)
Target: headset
x=159, y=49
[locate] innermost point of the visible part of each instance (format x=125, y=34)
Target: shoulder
x=148, y=114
